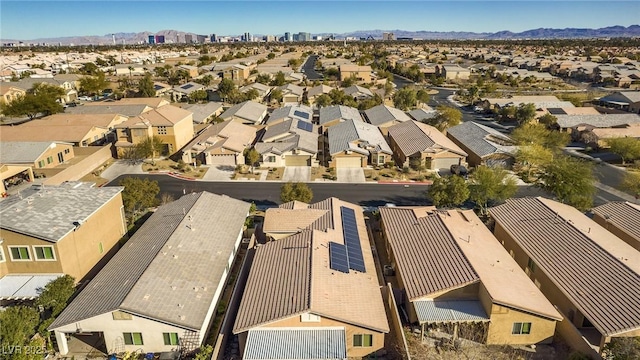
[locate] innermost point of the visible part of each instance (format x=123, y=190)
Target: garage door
x=348, y=162
x=297, y=160
x=445, y=163
x=222, y=160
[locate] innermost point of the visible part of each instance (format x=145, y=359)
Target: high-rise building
x=188, y=38
x=159, y=39
x=214, y=38
x=287, y=36
x=246, y=37
x=201, y=38
x=304, y=36
x=152, y=39
x=388, y=36
x=269, y=38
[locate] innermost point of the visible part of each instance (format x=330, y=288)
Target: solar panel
x=305, y=126
x=187, y=86
x=338, y=257
x=352, y=239
x=157, y=87
x=301, y=114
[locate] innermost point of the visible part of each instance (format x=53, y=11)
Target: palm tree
x=131, y=70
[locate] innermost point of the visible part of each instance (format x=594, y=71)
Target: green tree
x=423, y=96
x=55, y=295
x=251, y=156
x=225, y=88
x=332, y=73
x=199, y=95
x=275, y=95
x=631, y=183
x=531, y=159
x=271, y=56
x=570, y=180
x=507, y=113
x=93, y=84
x=263, y=79
x=89, y=69
x=295, y=191
x=623, y=348
x=627, y=148
x=204, y=353
x=348, y=82
x=525, y=113
x=490, y=185
x=548, y=120
x=405, y=99
x=251, y=94
x=205, y=80
x=448, y=191
x=41, y=99
x=17, y=326
x=278, y=80
x=149, y=147
x=323, y=100
x=446, y=118
x=146, y=87
x=533, y=133
x=138, y=194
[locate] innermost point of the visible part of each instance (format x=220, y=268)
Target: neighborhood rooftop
x=17, y=152
x=350, y=134
x=481, y=139
x=170, y=268
x=623, y=215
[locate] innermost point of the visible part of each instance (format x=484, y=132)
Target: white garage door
x=348, y=162
x=297, y=160
x=223, y=160
x=445, y=163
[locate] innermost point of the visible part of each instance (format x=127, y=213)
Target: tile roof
x=290, y=220
x=292, y=276
x=296, y=344
x=356, y=89
x=154, y=102
x=72, y=134
x=201, y=112
x=382, y=114
x=229, y=135
x=415, y=137
x=350, y=134
x=423, y=114
x=18, y=152
x=318, y=90
x=171, y=267
x=482, y=140
x=167, y=115
x=49, y=213
x=248, y=110
x=288, y=132
x=331, y=113
x=110, y=108
x=596, y=271
x=623, y=215
x=601, y=120
x=298, y=112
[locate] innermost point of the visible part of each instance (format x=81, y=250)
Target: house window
x=44, y=252
x=19, y=253
x=531, y=265
x=133, y=338
x=41, y=163
x=170, y=338
x=162, y=130
x=521, y=328
x=119, y=315
x=271, y=158
x=309, y=318
x=2, y=255
x=49, y=159
x=100, y=247
x=380, y=159
x=363, y=340
x=66, y=151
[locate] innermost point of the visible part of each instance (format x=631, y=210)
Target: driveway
x=122, y=167
x=350, y=175
x=297, y=173
x=219, y=172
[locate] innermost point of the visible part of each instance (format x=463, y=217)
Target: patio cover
x=452, y=311
x=291, y=343
x=24, y=287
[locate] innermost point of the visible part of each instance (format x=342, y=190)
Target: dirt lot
x=170, y=165
x=274, y=173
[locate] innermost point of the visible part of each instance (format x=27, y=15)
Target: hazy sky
x=26, y=20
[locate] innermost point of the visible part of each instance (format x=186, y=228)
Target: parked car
x=459, y=170
x=85, y=98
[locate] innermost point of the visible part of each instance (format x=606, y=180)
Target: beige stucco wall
x=82, y=168
x=52, y=153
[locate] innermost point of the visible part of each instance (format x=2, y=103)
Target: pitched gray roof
x=334, y=112
x=600, y=121
x=381, y=114
x=18, y=152
x=126, y=110
x=49, y=213
x=482, y=140
x=422, y=114
x=170, y=269
x=201, y=112
x=556, y=237
x=300, y=112
x=415, y=137
x=306, y=140
x=248, y=110
x=623, y=215
x=293, y=344
x=343, y=136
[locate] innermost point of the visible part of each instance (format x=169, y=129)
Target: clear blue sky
x=27, y=20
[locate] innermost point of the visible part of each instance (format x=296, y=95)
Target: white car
x=85, y=98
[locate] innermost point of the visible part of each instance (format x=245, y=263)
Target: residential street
x=266, y=194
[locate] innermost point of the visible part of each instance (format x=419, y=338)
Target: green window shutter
x=174, y=338
x=517, y=327
x=128, y=339
x=137, y=339
x=357, y=340
x=15, y=253
x=367, y=340
x=526, y=328
x=100, y=248
x=167, y=338
x=40, y=253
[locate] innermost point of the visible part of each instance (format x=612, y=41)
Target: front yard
x=243, y=172
x=392, y=173
x=180, y=167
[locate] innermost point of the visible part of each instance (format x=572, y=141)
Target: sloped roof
x=18, y=152
x=248, y=110
x=623, y=215
x=228, y=134
x=299, y=112
x=171, y=267
x=415, y=137
x=289, y=132
x=482, y=140
x=296, y=344
x=354, y=89
x=111, y=108
x=344, y=136
x=167, y=115
x=600, y=121
x=580, y=258
x=342, y=112
x=201, y=112
x=382, y=114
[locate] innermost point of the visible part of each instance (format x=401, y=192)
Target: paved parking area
x=351, y=175
x=219, y=172
x=297, y=173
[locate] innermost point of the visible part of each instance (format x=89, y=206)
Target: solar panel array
x=352, y=239
x=301, y=114
x=305, y=126
x=187, y=86
x=338, y=257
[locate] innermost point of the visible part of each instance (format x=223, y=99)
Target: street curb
x=404, y=183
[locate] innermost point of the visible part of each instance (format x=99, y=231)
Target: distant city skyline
x=55, y=18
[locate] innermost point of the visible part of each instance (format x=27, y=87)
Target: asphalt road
x=266, y=194
x=308, y=68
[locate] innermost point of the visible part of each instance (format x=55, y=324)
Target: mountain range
x=541, y=33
